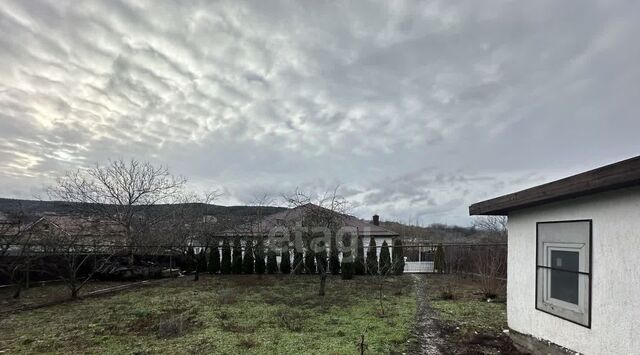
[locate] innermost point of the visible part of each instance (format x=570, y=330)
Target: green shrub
x=359, y=265
x=259, y=253
x=236, y=266
x=398, y=257
x=248, y=258
x=225, y=264
x=372, y=258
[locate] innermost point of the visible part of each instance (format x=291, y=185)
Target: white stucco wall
x=615, y=309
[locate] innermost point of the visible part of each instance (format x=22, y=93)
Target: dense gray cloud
x=416, y=108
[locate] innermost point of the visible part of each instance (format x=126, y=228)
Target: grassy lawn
x=222, y=315
x=39, y=294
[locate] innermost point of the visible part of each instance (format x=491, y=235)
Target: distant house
x=573, y=274
x=299, y=216
x=55, y=231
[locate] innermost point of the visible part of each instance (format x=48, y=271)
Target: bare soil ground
x=466, y=322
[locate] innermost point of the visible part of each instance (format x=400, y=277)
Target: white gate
x=416, y=267
x=420, y=263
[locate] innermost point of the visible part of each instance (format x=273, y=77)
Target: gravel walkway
x=426, y=334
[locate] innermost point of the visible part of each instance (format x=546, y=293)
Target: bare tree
x=75, y=249
x=380, y=275
x=495, y=225
x=190, y=224
x=491, y=265
x=124, y=192
x=322, y=215
x=15, y=251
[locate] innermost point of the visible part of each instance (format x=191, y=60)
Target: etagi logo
x=317, y=239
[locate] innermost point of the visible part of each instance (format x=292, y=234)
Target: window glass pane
x=564, y=285
x=566, y=260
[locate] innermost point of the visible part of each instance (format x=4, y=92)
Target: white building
x=573, y=265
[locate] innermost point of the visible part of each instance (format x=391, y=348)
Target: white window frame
x=572, y=238
x=579, y=248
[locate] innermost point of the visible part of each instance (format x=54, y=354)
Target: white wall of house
x=379, y=241
x=615, y=308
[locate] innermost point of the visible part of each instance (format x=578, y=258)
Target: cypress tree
x=347, y=270
x=321, y=259
x=285, y=261
x=398, y=257
x=272, y=262
x=359, y=266
x=202, y=260
x=334, y=258
x=385, y=259
x=438, y=259
x=191, y=260
x=214, y=259
x=259, y=253
x=347, y=259
x=236, y=266
x=225, y=265
x=248, y=258
x=298, y=262
x=310, y=261
x=372, y=258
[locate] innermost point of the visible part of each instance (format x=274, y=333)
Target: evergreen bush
x=298, y=262
x=225, y=264
x=385, y=259
x=359, y=265
x=272, y=262
x=310, y=261
x=214, y=259
x=190, y=265
x=398, y=257
x=259, y=253
x=285, y=261
x=248, y=258
x=372, y=258
x=202, y=260
x=347, y=267
x=236, y=266
x=334, y=258
x=439, y=259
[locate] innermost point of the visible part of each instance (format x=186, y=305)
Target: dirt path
x=426, y=334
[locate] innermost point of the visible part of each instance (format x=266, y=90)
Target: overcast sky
x=417, y=109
